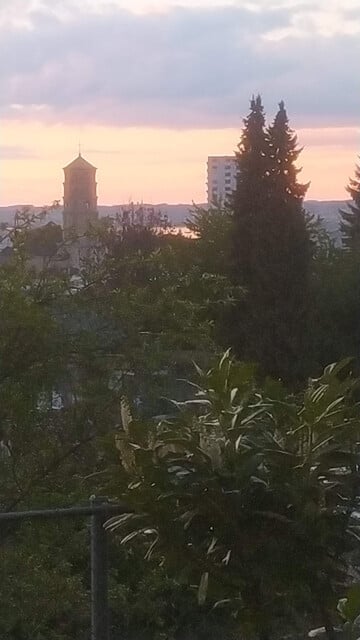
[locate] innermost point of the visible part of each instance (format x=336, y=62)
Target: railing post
x=100, y=509
x=99, y=582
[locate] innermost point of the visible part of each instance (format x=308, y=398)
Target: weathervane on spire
x=79, y=149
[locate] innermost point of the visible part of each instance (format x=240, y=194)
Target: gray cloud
x=181, y=68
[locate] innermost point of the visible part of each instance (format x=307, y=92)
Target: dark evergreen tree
x=272, y=247
x=350, y=219
x=250, y=199
x=284, y=151
x=288, y=251
x=250, y=206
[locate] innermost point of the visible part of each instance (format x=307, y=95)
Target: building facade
x=221, y=178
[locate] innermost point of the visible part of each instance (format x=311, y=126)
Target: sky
x=150, y=88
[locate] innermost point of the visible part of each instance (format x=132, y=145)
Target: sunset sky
x=151, y=88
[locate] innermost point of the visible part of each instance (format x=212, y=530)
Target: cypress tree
x=350, y=220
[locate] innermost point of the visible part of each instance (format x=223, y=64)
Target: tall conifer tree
x=350, y=220
x=250, y=209
x=284, y=151
x=271, y=244
x=289, y=247
x=251, y=194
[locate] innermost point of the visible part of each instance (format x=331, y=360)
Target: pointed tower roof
x=80, y=163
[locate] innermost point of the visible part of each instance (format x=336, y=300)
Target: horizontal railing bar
x=103, y=509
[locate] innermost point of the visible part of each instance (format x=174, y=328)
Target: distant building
x=221, y=177
x=80, y=209
x=80, y=198
x=52, y=247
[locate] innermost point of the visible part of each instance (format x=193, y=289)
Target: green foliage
x=151, y=308
x=322, y=245
x=132, y=323
x=44, y=241
x=335, y=307
x=212, y=242
x=349, y=607
x=350, y=219
x=43, y=595
x=248, y=492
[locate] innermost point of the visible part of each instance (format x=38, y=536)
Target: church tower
x=80, y=199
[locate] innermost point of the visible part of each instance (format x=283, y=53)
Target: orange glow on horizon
x=152, y=165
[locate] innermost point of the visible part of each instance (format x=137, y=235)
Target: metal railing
x=100, y=510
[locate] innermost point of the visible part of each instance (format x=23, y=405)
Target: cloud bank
x=181, y=67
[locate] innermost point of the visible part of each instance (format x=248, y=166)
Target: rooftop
x=80, y=163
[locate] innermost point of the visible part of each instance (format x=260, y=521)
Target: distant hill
x=177, y=213
x=328, y=210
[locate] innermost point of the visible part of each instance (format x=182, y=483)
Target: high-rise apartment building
x=221, y=177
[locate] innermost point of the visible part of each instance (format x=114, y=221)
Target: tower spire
x=79, y=149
